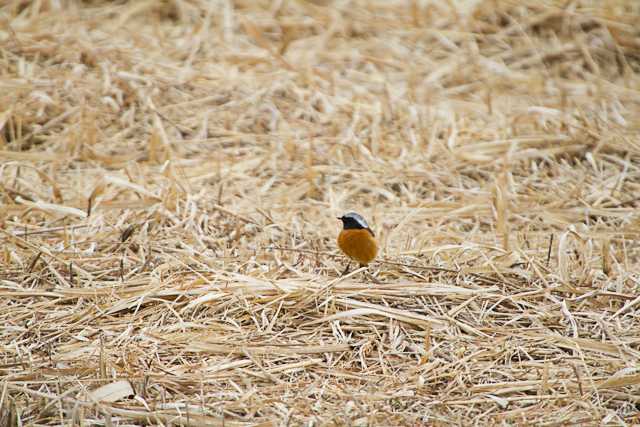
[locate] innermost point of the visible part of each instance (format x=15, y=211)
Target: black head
x=352, y=220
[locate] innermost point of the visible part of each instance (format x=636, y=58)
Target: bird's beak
x=338, y=217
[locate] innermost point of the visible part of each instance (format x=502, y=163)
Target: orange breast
x=358, y=245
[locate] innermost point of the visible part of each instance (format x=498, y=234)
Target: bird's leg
x=346, y=270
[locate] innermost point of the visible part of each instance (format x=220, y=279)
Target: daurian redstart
x=357, y=240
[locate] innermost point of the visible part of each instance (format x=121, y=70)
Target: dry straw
x=170, y=173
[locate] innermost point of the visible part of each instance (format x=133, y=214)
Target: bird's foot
x=346, y=270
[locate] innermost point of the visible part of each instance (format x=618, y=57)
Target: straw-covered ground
x=170, y=176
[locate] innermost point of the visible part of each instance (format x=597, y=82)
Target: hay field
x=170, y=174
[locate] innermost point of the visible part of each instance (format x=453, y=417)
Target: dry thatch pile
x=170, y=173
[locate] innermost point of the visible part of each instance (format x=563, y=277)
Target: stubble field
x=170, y=177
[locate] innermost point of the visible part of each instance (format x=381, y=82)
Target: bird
x=356, y=240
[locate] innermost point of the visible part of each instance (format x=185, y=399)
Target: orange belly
x=359, y=245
